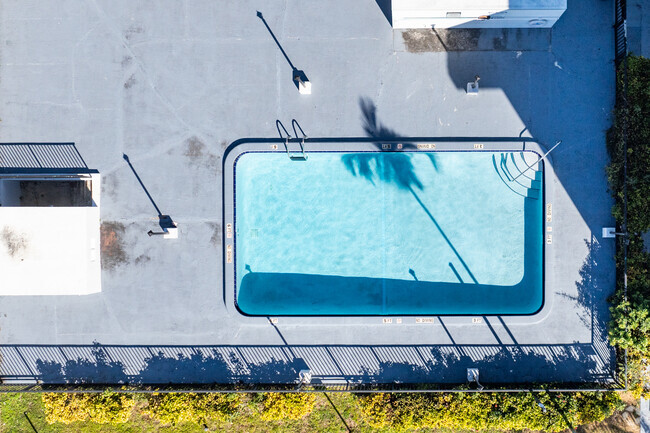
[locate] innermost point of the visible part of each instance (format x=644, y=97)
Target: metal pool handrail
x=528, y=166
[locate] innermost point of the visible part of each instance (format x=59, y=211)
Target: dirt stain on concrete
x=438, y=40
x=113, y=253
x=142, y=259
x=126, y=61
x=15, y=243
x=475, y=39
x=132, y=31
x=422, y=41
x=216, y=234
x=110, y=184
x=199, y=154
x=130, y=82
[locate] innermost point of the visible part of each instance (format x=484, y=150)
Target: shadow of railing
x=17, y=158
x=189, y=366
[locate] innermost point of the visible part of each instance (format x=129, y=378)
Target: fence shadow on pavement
x=191, y=366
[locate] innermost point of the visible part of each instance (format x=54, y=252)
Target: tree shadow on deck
x=98, y=368
x=591, y=299
x=497, y=365
x=187, y=367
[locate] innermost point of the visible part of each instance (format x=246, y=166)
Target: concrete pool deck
x=173, y=86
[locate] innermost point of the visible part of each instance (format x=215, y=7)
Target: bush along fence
x=487, y=411
x=396, y=411
x=628, y=143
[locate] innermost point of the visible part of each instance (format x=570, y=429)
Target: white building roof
x=50, y=250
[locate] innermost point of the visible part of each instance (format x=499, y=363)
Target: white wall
x=409, y=14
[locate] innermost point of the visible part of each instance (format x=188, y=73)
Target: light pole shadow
x=297, y=75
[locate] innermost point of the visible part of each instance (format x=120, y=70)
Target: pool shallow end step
x=327, y=295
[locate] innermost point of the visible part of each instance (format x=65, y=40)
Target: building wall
x=409, y=14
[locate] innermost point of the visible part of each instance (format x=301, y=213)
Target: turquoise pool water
x=388, y=233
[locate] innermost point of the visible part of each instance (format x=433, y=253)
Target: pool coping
x=372, y=144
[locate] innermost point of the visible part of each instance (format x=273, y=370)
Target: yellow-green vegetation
x=279, y=406
x=377, y=409
x=630, y=322
x=247, y=418
x=363, y=413
x=175, y=408
x=105, y=408
x=486, y=411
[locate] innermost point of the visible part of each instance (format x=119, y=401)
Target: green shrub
x=629, y=327
x=638, y=375
x=277, y=406
x=638, y=138
x=486, y=411
x=597, y=406
x=105, y=408
x=174, y=408
x=638, y=267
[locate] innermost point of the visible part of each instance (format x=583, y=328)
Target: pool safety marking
x=386, y=146
x=399, y=146
x=274, y=147
x=424, y=320
x=549, y=238
x=399, y=320
x=386, y=320
x=478, y=146
x=426, y=146
x=229, y=230
x=273, y=320
x=477, y=320
x=549, y=229
x=549, y=213
x=228, y=253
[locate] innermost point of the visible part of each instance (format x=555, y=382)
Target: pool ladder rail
x=302, y=156
x=297, y=156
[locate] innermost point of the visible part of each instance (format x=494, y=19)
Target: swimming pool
x=388, y=233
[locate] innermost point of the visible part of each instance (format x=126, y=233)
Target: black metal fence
x=421, y=368
x=620, y=31
x=621, y=67
x=331, y=388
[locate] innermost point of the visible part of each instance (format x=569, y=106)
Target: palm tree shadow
x=397, y=168
x=392, y=167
